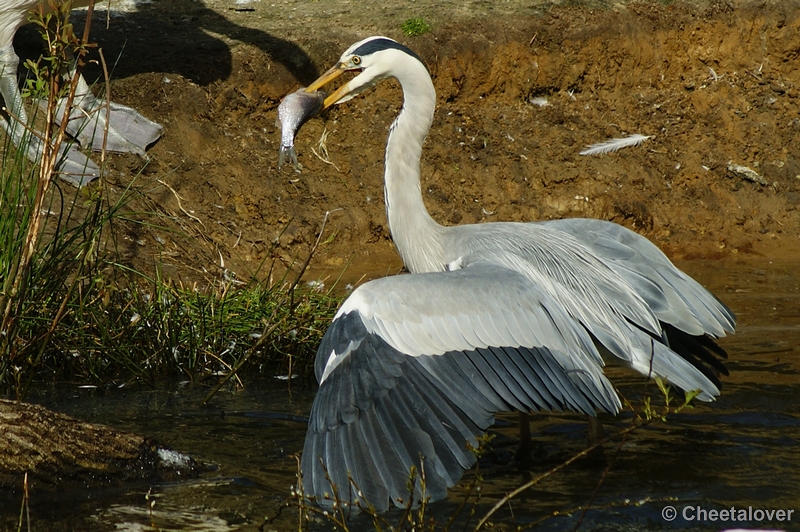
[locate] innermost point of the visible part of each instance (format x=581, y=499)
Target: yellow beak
x=326, y=78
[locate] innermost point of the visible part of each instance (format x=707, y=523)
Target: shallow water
x=743, y=451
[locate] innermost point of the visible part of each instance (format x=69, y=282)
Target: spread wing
x=674, y=297
x=690, y=315
x=600, y=278
x=415, y=367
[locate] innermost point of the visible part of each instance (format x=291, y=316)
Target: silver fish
x=295, y=109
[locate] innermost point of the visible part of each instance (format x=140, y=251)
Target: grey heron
x=493, y=317
x=128, y=130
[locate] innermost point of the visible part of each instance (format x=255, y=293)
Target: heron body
x=493, y=317
x=93, y=122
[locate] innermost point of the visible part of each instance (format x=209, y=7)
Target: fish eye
x=356, y=60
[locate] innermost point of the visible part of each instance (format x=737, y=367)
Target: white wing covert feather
x=431, y=314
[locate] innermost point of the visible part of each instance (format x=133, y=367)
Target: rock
x=57, y=450
x=746, y=173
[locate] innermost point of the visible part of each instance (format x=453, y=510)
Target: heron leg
x=73, y=166
x=596, y=432
x=525, y=447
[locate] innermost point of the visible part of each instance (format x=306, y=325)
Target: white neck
x=416, y=235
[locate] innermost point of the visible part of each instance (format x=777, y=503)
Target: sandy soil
x=712, y=83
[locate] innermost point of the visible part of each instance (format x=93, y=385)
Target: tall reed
x=46, y=250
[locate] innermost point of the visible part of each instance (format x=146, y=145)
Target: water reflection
x=740, y=451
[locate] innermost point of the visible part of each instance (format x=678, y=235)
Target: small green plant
x=415, y=26
x=651, y=413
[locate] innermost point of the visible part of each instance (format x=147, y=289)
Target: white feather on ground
x=613, y=145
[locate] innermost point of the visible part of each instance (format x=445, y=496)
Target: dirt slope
x=522, y=88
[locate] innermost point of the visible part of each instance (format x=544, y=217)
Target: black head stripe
x=376, y=45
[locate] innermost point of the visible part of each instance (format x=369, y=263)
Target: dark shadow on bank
x=173, y=37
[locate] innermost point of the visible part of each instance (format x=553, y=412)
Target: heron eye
x=356, y=60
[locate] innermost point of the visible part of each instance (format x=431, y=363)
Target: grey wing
x=674, y=297
x=597, y=295
x=690, y=315
x=416, y=365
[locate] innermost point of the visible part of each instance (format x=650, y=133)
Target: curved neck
x=416, y=235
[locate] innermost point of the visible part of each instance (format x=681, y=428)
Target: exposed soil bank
x=522, y=90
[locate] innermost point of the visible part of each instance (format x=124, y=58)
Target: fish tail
x=288, y=151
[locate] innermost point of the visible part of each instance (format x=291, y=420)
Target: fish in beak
x=294, y=111
x=342, y=94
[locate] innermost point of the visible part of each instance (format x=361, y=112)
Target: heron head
x=374, y=58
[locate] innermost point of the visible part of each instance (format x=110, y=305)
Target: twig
x=16, y=119
x=25, y=511
x=502, y=502
x=180, y=206
x=151, y=504
x=323, y=148
x=326, y=161
x=308, y=260
x=108, y=101
x=600, y=483
x=266, y=333
x=753, y=74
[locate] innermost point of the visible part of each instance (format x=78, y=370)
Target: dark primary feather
x=379, y=411
x=701, y=351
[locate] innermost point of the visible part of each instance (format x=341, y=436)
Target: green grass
x=70, y=309
x=415, y=26
x=75, y=312
x=144, y=328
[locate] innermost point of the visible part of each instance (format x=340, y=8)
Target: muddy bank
x=521, y=91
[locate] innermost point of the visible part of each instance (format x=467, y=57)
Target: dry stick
x=107, y=79
x=323, y=148
x=266, y=333
x=18, y=121
x=25, y=511
x=27, y=502
x=300, y=491
x=308, y=260
x=546, y=474
x=151, y=504
x=180, y=206
x=89, y=11
x=472, y=485
x=326, y=161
